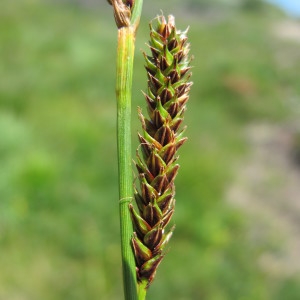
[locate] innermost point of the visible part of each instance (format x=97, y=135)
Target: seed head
x=168, y=88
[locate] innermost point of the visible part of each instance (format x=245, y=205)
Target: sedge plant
x=146, y=210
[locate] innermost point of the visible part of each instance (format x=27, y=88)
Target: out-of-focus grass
x=58, y=178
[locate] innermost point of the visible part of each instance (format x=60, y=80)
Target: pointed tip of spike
x=171, y=20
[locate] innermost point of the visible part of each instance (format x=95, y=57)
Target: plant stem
x=136, y=13
x=142, y=290
x=127, y=20
x=125, y=57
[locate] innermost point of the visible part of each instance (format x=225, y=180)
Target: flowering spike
x=168, y=87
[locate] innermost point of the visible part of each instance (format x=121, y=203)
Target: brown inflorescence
x=168, y=91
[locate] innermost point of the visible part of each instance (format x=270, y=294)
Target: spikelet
x=168, y=89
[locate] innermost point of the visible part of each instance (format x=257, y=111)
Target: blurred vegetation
x=59, y=228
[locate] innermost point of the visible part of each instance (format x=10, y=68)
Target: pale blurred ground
x=267, y=182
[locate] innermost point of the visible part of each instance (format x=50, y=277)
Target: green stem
x=136, y=13
x=142, y=290
x=125, y=54
x=123, y=91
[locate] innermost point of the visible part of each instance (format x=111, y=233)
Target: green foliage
x=253, y=5
x=59, y=227
x=289, y=290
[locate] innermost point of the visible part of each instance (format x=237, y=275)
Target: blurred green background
x=59, y=227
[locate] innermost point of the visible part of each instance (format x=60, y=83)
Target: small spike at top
x=168, y=72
